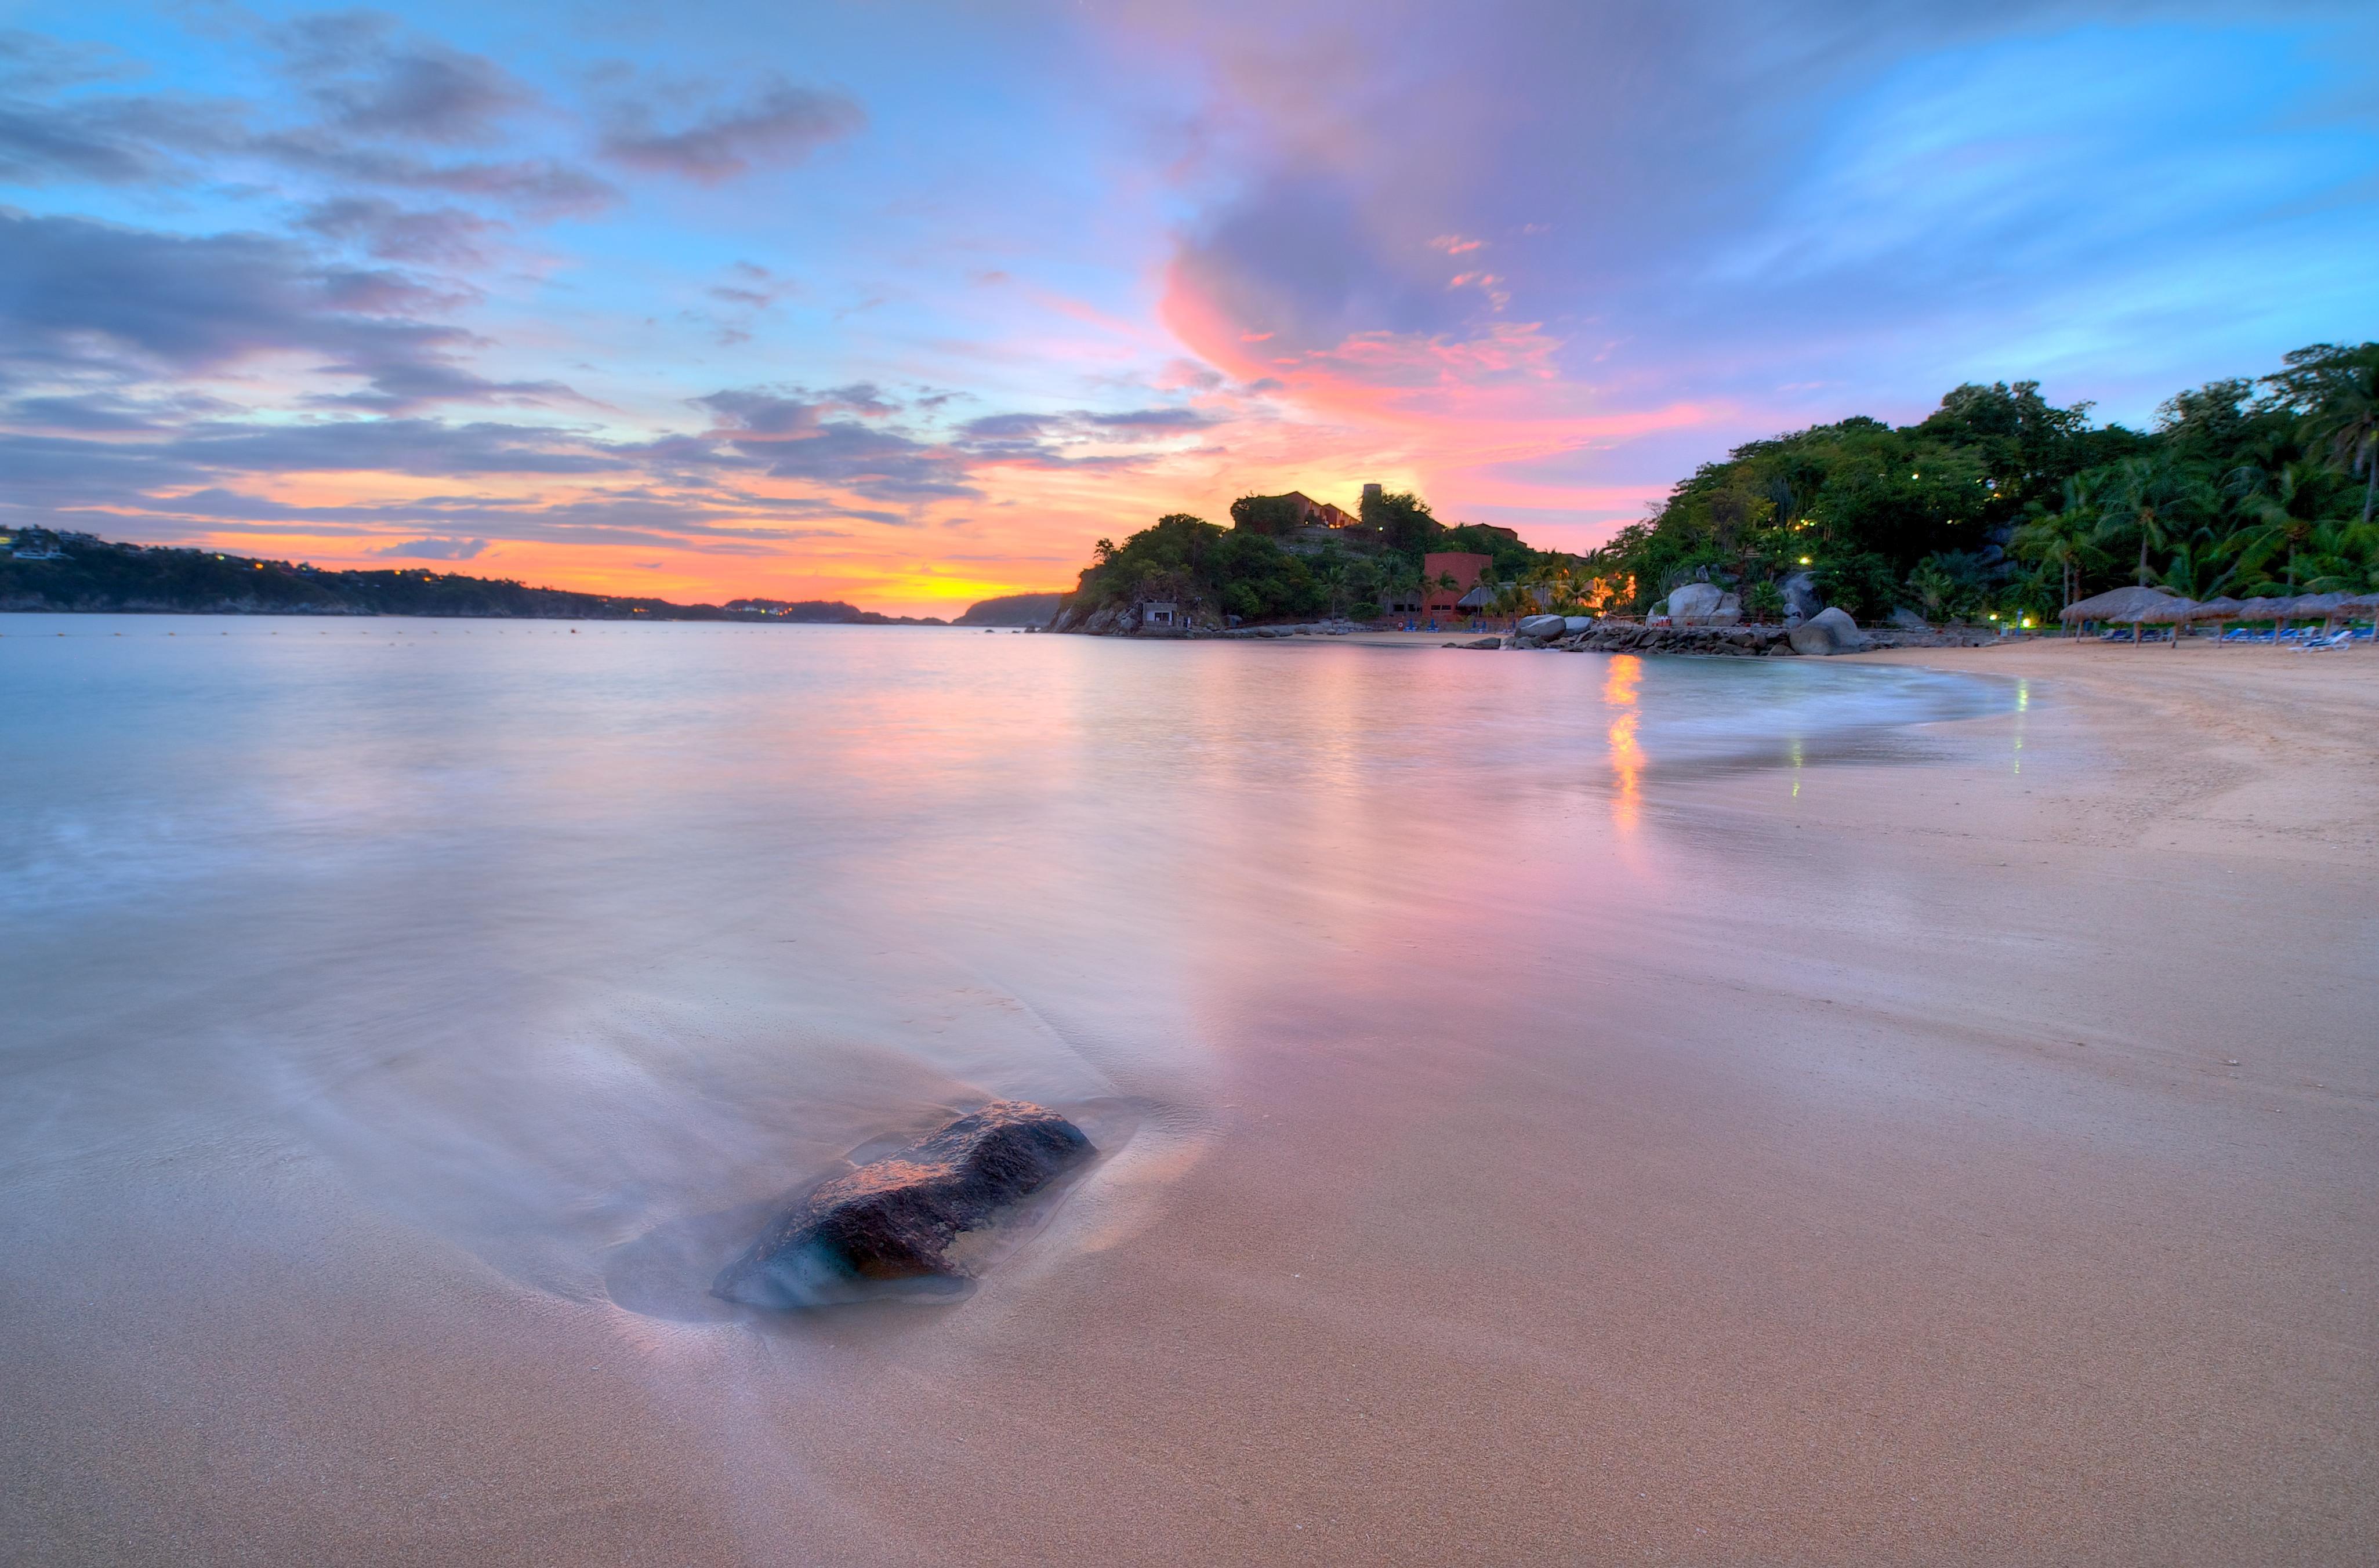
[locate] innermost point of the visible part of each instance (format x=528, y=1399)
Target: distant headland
x=42, y=570
x=1997, y=509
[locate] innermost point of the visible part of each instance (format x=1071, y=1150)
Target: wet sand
x=1982, y=1171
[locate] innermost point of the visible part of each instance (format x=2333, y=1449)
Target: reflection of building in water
x=1620, y=690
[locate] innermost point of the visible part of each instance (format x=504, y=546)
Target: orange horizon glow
x=1453, y=419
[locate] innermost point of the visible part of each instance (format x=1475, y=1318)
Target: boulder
x=1829, y=632
x=1692, y=602
x=1802, y=599
x=893, y=1219
x=1544, y=627
x=1479, y=643
x=1573, y=624
x=1908, y=620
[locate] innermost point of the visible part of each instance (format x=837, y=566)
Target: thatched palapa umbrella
x=2369, y=605
x=2275, y=611
x=2132, y=606
x=2326, y=606
x=2219, y=611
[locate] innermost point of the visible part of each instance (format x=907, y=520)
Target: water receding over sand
x=1551, y=1105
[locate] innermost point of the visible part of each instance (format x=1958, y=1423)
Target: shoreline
x=1961, y=1158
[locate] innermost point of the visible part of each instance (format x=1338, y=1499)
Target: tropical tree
x=2154, y=499
x=2337, y=389
x=2195, y=570
x=1332, y=580
x=2341, y=555
x=2282, y=510
x=2063, y=539
x=2349, y=422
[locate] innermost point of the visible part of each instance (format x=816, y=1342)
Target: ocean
x=555, y=938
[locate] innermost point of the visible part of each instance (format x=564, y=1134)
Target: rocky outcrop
x=1723, y=641
x=1481, y=643
x=1703, y=604
x=1545, y=627
x=1829, y=632
x=895, y=1218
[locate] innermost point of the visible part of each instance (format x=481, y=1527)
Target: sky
x=908, y=303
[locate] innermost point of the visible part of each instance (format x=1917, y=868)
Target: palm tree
x=2348, y=420
x=2192, y=572
x=2063, y=538
x=2341, y=557
x=2150, y=497
x=2279, y=510
x=1332, y=579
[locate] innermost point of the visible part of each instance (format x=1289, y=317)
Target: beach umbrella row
x=2135, y=607
x=2304, y=607
x=2130, y=607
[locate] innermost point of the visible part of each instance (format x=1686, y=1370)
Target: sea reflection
x=1620, y=693
x=627, y=925
x=2022, y=705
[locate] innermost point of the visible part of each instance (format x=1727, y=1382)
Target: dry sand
x=1985, y=1176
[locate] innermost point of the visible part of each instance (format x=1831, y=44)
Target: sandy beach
x=1980, y=1169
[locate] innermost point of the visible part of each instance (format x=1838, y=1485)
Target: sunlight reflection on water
x=549, y=938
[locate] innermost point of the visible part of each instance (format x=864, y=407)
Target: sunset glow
x=908, y=305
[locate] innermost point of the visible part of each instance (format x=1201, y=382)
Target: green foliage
x=1999, y=500
x=1189, y=561
x=1510, y=560
x=1402, y=520
x=1246, y=573
x=99, y=575
x=1864, y=584
x=1273, y=515
x=1951, y=585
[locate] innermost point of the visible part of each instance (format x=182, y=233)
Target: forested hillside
x=2000, y=502
x=77, y=572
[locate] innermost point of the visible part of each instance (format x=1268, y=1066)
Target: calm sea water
x=549, y=940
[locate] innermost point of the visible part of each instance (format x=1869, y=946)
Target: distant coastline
x=1012, y=610
x=44, y=572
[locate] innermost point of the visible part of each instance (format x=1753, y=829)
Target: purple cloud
x=435, y=549
x=782, y=124
x=440, y=236
x=369, y=82
x=83, y=300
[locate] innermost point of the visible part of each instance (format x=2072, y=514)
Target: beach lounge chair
x=2338, y=639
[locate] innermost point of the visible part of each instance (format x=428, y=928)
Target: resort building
x=1312, y=514
x=1465, y=568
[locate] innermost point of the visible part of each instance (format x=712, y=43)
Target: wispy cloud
x=434, y=550
x=780, y=123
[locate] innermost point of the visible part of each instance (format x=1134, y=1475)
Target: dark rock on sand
x=895, y=1218
x=1479, y=643
x=1829, y=630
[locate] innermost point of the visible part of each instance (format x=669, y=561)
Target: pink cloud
x=1457, y=412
